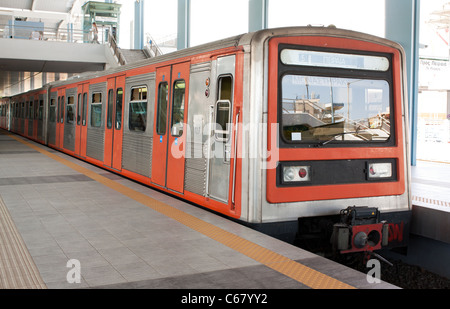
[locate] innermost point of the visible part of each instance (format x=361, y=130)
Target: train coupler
x=359, y=230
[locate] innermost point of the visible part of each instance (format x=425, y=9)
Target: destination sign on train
x=334, y=60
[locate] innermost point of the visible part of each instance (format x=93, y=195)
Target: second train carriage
x=282, y=129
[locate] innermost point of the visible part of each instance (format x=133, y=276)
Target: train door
x=60, y=119
x=113, y=128
x=81, y=128
x=169, y=133
x=220, y=147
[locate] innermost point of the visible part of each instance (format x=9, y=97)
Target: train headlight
x=296, y=173
x=380, y=170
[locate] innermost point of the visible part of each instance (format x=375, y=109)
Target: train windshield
x=322, y=109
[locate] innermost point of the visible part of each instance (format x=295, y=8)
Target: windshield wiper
x=333, y=137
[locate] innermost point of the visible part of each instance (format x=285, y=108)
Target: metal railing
x=33, y=32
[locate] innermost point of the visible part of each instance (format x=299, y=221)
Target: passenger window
x=110, y=109
x=137, y=118
x=52, y=111
x=70, y=109
x=96, y=110
x=61, y=110
x=223, y=108
x=119, y=99
x=179, y=90
x=30, y=112
x=163, y=97
x=84, y=108
x=41, y=110
x=79, y=109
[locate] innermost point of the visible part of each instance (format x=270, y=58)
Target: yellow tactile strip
x=430, y=201
x=17, y=268
x=275, y=261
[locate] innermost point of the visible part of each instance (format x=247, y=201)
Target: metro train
x=299, y=132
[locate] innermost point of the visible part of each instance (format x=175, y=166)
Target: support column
x=258, y=15
x=139, y=24
x=184, y=24
x=402, y=26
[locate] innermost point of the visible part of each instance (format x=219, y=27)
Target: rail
x=36, y=31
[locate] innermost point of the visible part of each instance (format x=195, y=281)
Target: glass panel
x=52, y=111
x=326, y=109
x=119, y=99
x=96, y=110
x=70, y=109
x=41, y=110
x=61, y=110
x=222, y=120
x=84, y=108
x=138, y=109
x=178, y=108
x=334, y=60
x=109, y=113
x=163, y=97
x=79, y=109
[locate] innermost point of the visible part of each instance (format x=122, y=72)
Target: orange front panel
x=279, y=194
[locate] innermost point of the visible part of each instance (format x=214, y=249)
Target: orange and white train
x=293, y=131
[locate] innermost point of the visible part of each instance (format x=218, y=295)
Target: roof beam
x=33, y=14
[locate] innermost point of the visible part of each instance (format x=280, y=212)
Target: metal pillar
x=258, y=15
x=184, y=24
x=139, y=24
x=402, y=26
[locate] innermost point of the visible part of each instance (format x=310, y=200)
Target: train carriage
x=299, y=130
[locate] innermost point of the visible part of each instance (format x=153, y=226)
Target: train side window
x=96, y=110
x=110, y=109
x=58, y=109
x=61, y=111
x=52, y=111
x=22, y=112
x=163, y=96
x=79, y=109
x=179, y=90
x=84, y=108
x=137, y=117
x=30, y=110
x=70, y=116
x=223, y=108
x=41, y=110
x=119, y=100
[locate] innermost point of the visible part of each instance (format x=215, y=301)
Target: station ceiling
x=51, y=12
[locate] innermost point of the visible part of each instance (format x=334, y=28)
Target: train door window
x=223, y=108
x=23, y=110
x=79, y=109
x=137, y=120
x=70, y=115
x=61, y=111
x=30, y=110
x=41, y=110
x=52, y=111
x=58, y=109
x=163, y=96
x=26, y=109
x=119, y=100
x=84, y=108
x=36, y=109
x=179, y=90
x=96, y=110
x=110, y=109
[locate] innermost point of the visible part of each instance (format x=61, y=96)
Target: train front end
x=335, y=157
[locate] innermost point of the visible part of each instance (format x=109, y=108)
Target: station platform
x=63, y=219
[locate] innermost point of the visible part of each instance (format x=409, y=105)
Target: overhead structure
x=105, y=15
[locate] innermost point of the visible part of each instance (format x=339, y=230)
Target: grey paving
x=121, y=243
